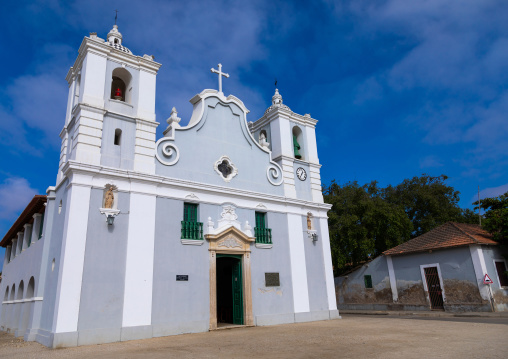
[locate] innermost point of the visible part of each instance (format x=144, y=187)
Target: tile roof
x=450, y=234
x=36, y=205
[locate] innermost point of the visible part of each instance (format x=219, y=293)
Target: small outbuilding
x=447, y=268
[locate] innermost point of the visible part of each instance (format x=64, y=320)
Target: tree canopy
x=365, y=220
x=495, y=218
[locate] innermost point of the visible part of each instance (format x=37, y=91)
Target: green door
x=237, y=292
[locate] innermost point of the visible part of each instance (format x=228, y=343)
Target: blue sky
x=400, y=87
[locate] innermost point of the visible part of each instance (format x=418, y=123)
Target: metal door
x=237, y=293
x=434, y=288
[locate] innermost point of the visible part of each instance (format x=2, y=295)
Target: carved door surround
x=230, y=241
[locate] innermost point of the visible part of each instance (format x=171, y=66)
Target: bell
x=118, y=94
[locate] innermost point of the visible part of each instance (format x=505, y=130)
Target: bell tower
x=110, y=117
x=292, y=139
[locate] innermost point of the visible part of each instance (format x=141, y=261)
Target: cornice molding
x=89, y=45
x=72, y=168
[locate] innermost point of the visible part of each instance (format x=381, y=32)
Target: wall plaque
x=182, y=277
x=272, y=280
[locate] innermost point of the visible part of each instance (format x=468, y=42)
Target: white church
x=219, y=223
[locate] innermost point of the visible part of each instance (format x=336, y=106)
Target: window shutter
x=260, y=220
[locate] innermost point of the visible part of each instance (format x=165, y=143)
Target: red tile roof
x=450, y=234
x=36, y=205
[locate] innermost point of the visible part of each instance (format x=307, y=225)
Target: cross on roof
x=220, y=76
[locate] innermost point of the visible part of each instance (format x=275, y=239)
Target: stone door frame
x=231, y=241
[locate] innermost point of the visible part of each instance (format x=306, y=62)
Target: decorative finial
x=220, y=76
x=174, y=117
x=276, y=82
x=277, y=98
x=116, y=15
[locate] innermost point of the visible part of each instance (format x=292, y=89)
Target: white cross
x=220, y=76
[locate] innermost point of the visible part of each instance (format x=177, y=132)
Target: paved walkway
x=429, y=313
x=351, y=337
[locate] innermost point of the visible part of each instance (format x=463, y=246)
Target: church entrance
x=230, y=279
x=229, y=289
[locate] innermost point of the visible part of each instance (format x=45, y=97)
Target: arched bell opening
x=298, y=143
x=121, y=85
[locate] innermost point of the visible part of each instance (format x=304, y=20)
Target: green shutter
x=191, y=228
x=260, y=220
x=190, y=212
x=368, y=281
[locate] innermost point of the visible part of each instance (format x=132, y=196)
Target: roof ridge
x=467, y=234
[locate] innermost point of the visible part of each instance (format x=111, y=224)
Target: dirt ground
x=350, y=337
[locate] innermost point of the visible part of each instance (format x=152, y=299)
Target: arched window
x=297, y=142
x=121, y=85
x=31, y=288
x=6, y=296
x=13, y=290
x=20, y=290
x=118, y=136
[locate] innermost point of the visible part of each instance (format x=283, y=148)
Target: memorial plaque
x=272, y=280
x=182, y=277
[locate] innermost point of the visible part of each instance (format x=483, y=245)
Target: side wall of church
x=54, y=253
x=19, y=270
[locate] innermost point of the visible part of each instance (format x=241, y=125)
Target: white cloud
x=430, y=162
x=15, y=194
x=491, y=192
x=456, y=62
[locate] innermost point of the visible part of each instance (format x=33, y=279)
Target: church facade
x=219, y=222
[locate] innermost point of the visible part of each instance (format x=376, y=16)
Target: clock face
x=301, y=174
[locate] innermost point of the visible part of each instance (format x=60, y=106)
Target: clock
x=301, y=174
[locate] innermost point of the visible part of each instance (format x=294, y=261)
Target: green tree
x=495, y=218
x=427, y=201
x=362, y=224
x=367, y=220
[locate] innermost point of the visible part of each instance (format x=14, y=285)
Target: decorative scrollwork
x=169, y=153
x=273, y=172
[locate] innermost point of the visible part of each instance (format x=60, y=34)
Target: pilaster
x=144, y=148
x=480, y=270
x=14, y=248
x=87, y=141
x=137, y=303
x=20, y=242
x=298, y=264
x=288, y=172
x=393, y=280
x=315, y=183
x=327, y=261
x=27, y=238
x=64, y=135
x=7, y=257
x=70, y=274
x=36, y=227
